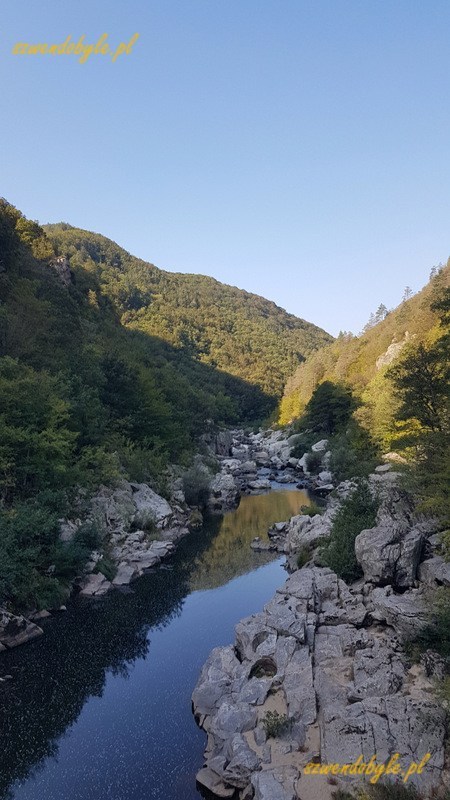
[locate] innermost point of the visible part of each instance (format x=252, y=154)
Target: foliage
x=303, y=556
x=220, y=326
x=196, y=485
x=313, y=509
x=304, y=441
x=355, y=359
x=357, y=513
x=329, y=409
x=314, y=462
x=353, y=453
x=422, y=382
x=106, y=567
x=115, y=372
x=35, y=566
x=275, y=724
x=436, y=636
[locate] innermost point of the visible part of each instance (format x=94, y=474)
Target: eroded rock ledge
x=317, y=654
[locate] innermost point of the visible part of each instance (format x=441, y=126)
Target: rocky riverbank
x=330, y=660
x=139, y=529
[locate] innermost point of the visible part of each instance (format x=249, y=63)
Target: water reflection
x=100, y=706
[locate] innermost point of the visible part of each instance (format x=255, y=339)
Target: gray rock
x=94, y=585
x=325, y=476
x=233, y=718
x=435, y=572
x=407, y=612
x=242, y=762
x=275, y=784
x=150, y=507
x=210, y=780
x=259, y=485
x=16, y=629
x=248, y=466
x=388, y=553
x=124, y=575
x=113, y=508
x=224, y=493
x=320, y=447
x=383, y=468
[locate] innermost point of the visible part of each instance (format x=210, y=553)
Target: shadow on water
x=100, y=705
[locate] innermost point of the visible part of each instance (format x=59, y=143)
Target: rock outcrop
x=344, y=684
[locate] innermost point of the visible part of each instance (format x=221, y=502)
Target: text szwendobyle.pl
x=373, y=769
x=79, y=48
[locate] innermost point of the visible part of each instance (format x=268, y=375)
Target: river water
x=99, y=708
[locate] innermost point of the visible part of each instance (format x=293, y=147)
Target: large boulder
x=223, y=493
x=150, y=507
x=435, y=572
x=113, y=508
x=94, y=585
x=389, y=553
x=16, y=630
x=407, y=613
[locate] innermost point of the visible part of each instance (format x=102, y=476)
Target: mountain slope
x=361, y=361
x=219, y=325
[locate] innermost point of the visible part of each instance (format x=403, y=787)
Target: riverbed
x=100, y=706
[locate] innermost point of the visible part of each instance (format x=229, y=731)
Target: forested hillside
x=110, y=368
x=361, y=361
x=387, y=390
x=224, y=327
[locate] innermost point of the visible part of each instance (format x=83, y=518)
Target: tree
x=407, y=294
x=381, y=313
x=329, y=409
x=421, y=380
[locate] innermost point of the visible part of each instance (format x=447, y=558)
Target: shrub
x=304, y=442
x=303, y=556
x=314, y=462
x=357, y=513
x=436, y=635
x=353, y=454
x=276, y=724
x=106, y=567
x=196, y=486
x=312, y=509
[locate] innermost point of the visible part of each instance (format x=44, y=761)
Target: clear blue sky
x=300, y=150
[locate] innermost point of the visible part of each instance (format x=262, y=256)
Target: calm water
x=100, y=707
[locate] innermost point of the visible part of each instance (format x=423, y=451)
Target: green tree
x=329, y=409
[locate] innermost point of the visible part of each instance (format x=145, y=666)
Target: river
x=99, y=708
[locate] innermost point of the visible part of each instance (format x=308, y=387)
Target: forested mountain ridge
x=227, y=328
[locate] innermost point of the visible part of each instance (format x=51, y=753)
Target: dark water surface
x=100, y=706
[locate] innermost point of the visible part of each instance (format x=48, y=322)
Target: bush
x=304, y=442
x=106, y=567
x=314, y=462
x=196, y=486
x=353, y=454
x=357, y=513
x=276, y=724
x=312, y=509
x=436, y=636
x=303, y=556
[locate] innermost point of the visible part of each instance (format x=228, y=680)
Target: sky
x=298, y=149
